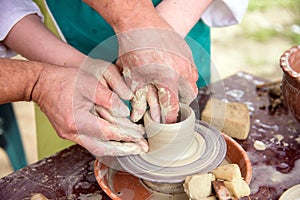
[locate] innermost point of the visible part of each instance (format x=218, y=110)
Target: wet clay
x=209, y=153
x=171, y=142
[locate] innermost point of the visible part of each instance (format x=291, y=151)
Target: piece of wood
x=221, y=191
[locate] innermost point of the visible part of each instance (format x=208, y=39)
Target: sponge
x=232, y=118
x=227, y=172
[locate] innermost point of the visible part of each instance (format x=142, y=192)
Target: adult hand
x=156, y=75
x=82, y=108
x=158, y=66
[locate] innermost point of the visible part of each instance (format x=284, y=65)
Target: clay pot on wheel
x=169, y=142
x=290, y=65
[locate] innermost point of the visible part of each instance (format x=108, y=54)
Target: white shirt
x=219, y=13
x=12, y=11
x=224, y=12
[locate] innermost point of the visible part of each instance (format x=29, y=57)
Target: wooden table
x=69, y=173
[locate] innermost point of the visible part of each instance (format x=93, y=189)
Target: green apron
x=84, y=29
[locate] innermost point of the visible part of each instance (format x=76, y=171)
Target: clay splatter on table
x=275, y=167
x=69, y=174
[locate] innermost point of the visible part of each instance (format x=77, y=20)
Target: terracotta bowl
x=290, y=65
x=236, y=154
x=118, y=184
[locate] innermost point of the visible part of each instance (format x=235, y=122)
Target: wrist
x=126, y=15
x=139, y=20
x=39, y=86
x=19, y=78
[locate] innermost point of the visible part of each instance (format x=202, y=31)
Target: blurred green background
x=269, y=27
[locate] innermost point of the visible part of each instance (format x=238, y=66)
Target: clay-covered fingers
x=89, y=124
x=117, y=83
x=139, y=104
x=100, y=115
x=162, y=101
x=100, y=148
x=146, y=96
x=104, y=97
x=153, y=102
x=123, y=122
x=108, y=74
x=169, y=104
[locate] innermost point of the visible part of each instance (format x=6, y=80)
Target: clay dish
x=118, y=184
x=171, y=142
x=291, y=193
x=290, y=65
x=204, y=152
x=183, y=148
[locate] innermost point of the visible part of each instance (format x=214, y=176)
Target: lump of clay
x=237, y=188
x=38, y=196
x=198, y=186
x=231, y=118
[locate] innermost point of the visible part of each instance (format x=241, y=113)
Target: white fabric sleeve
x=224, y=12
x=12, y=11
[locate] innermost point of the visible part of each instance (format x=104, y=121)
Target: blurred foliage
x=286, y=31
x=263, y=34
x=262, y=5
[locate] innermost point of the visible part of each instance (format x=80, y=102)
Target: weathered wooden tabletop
x=69, y=174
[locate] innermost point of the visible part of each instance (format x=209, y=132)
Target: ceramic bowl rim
x=284, y=64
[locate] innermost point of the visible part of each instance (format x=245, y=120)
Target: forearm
x=17, y=79
x=125, y=15
x=33, y=40
x=182, y=15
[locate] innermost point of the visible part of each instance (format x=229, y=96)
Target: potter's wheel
x=209, y=150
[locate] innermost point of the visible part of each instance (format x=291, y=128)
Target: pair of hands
x=158, y=71
x=155, y=75
x=82, y=108
x=84, y=105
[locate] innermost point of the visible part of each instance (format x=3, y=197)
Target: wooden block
x=231, y=118
x=221, y=191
